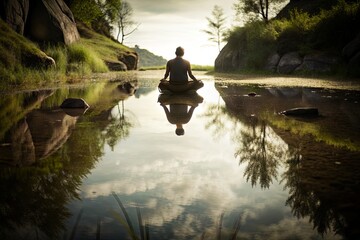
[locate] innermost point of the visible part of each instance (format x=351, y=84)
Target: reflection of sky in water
x=183, y=184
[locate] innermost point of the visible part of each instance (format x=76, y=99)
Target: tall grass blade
x=141, y=225
x=128, y=221
x=147, y=232
x=220, y=227
x=236, y=228
x=76, y=224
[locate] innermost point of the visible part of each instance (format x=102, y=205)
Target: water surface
x=239, y=167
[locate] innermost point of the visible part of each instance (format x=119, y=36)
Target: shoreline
x=288, y=81
x=263, y=80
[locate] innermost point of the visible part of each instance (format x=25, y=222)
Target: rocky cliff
x=40, y=20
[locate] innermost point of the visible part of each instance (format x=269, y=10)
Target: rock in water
x=302, y=111
x=74, y=103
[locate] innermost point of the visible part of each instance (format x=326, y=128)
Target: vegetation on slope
x=325, y=30
x=148, y=59
x=23, y=63
x=18, y=56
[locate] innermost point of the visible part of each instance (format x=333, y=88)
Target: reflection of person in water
x=179, y=115
x=178, y=69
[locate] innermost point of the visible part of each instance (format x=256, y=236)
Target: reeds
x=126, y=222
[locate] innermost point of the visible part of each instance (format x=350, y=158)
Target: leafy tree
x=98, y=14
x=257, y=8
x=85, y=11
x=216, y=25
x=124, y=21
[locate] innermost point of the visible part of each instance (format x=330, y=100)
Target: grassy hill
x=148, y=59
x=24, y=63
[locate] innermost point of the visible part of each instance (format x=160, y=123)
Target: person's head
x=179, y=130
x=179, y=52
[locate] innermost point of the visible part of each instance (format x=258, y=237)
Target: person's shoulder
x=185, y=61
x=171, y=60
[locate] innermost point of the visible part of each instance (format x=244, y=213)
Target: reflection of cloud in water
x=189, y=182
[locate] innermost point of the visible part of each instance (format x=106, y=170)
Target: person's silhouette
x=178, y=69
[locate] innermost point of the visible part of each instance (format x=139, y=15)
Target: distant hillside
x=148, y=59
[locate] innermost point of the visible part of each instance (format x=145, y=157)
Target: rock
x=302, y=111
x=116, y=66
x=130, y=59
x=127, y=88
x=289, y=62
x=74, y=103
x=318, y=62
x=229, y=59
x=38, y=61
x=272, y=62
x=74, y=112
x=14, y=13
x=252, y=94
x=51, y=21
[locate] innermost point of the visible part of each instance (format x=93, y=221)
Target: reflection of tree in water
x=217, y=119
x=307, y=203
x=259, y=148
x=119, y=126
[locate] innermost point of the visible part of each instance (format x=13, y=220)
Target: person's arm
x=190, y=73
x=167, y=72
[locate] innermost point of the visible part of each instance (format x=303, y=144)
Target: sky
x=167, y=24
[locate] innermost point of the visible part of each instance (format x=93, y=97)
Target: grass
x=85, y=59
x=107, y=49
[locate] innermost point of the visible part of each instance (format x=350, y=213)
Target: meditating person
x=179, y=69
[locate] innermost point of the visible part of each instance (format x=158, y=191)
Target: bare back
x=178, y=69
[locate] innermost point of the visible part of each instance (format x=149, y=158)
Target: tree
x=216, y=25
x=257, y=8
x=124, y=20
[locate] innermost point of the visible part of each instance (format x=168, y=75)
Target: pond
x=239, y=170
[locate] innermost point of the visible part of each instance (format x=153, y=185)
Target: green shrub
x=255, y=41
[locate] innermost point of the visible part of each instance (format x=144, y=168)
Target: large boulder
x=116, y=66
x=272, y=62
x=130, y=59
x=229, y=59
x=40, y=20
x=51, y=21
x=318, y=62
x=14, y=13
x=289, y=62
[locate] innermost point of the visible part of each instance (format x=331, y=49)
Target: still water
x=239, y=171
